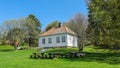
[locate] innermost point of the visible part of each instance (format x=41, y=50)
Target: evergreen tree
x=33, y=28
x=104, y=18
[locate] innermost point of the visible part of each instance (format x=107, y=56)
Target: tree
x=104, y=17
x=51, y=25
x=0, y=34
x=0, y=37
x=16, y=36
x=79, y=24
x=33, y=28
x=13, y=32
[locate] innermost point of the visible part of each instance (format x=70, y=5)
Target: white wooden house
x=60, y=36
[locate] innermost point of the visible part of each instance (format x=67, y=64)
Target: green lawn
x=95, y=58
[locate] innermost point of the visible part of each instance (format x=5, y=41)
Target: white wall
x=72, y=40
x=53, y=43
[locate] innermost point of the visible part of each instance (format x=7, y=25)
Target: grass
x=95, y=58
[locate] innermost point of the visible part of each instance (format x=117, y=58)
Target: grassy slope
x=95, y=58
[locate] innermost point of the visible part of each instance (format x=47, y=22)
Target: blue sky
x=46, y=11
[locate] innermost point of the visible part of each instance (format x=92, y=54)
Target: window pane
x=43, y=41
x=57, y=39
x=49, y=40
x=63, y=38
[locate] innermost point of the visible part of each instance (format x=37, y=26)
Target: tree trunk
x=80, y=45
x=16, y=43
x=30, y=42
x=15, y=47
x=80, y=49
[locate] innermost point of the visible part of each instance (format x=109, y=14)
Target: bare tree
x=79, y=24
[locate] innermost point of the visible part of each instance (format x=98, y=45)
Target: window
x=57, y=39
x=43, y=41
x=63, y=38
x=49, y=40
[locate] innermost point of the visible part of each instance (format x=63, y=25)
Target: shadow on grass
x=6, y=50
x=109, y=58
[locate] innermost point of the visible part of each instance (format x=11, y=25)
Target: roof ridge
x=59, y=30
x=65, y=28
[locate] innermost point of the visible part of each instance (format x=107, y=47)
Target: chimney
x=59, y=24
